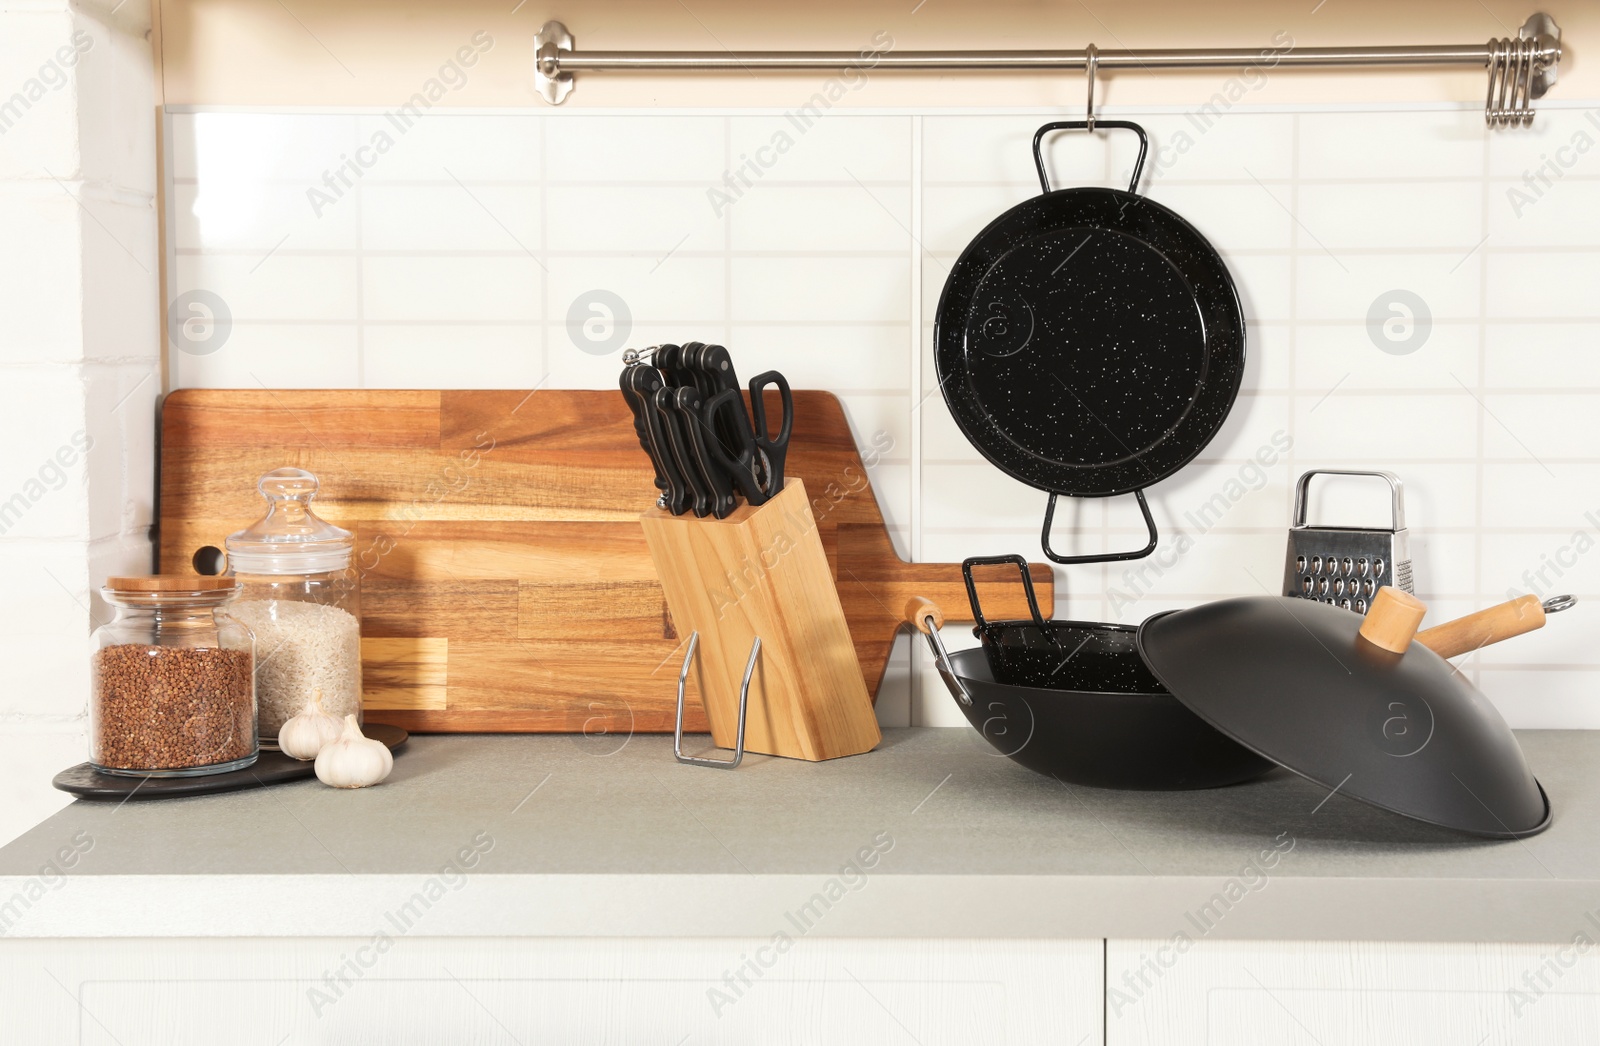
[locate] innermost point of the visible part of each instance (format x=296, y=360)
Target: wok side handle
x=989, y=561
x=926, y=615
x=1100, y=557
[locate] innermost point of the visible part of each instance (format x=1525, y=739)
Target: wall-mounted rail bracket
x=550, y=44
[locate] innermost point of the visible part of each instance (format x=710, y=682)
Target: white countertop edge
x=883, y=906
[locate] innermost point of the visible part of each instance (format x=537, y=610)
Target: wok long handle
x=1466, y=634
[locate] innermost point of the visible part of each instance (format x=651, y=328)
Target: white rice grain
x=301, y=646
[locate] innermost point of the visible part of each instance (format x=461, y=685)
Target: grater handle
x=1396, y=492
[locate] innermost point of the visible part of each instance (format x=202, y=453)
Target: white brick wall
x=79, y=362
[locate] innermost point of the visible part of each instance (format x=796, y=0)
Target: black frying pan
x=1090, y=342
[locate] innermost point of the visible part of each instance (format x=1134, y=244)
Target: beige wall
x=365, y=52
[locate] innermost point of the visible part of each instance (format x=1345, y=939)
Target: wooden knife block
x=763, y=572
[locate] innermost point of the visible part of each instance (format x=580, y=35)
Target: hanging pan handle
x=992, y=561
x=1084, y=125
x=1102, y=557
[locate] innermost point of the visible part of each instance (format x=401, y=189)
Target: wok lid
x=1295, y=681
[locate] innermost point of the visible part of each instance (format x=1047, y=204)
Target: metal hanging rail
x=1520, y=69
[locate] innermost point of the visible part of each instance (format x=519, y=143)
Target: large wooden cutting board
x=506, y=582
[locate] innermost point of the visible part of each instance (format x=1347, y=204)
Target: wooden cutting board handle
x=1466, y=634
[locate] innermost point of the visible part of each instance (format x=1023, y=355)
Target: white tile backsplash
x=1345, y=356
x=1540, y=284
x=277, y=356
x=277, y=286
x=493, y=250
x=450, y=217
x=859, y=218
x=479, y=356
x=586, y=149
x=451, y=288
x=1343, y=284
x=1362, y=146
x=873, y=149
x=1381, y=214
x=840, y=288
x=497, y=148
x=657, y=221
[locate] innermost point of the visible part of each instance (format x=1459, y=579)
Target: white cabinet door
x=503, y=991
x=1353, y=994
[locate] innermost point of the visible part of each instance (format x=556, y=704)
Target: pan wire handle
x=991, y=561
x=1101, y=557
x=930, y=629
x=1085, y=125
x=744, y=705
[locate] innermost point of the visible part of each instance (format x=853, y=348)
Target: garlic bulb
x=304, y=735
x=354, y=760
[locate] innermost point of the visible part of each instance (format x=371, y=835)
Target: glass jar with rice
x=302, y=599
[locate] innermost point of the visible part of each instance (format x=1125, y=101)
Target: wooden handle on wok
x=1466, y=634
x=919, y=610
x=1392, y=624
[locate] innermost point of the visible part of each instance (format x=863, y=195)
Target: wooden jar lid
x=171, y=583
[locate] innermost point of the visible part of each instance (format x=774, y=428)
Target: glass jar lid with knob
x=290, y=538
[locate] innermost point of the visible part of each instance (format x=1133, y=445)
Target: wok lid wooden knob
x=1393, y=620
x=918, y=611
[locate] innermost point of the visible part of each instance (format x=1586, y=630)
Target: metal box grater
x=1345, y=566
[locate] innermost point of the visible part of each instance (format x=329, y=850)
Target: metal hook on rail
x=1091, y=60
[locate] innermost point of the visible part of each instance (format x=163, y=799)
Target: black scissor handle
x=774, y=447
x=1083, y=125
x=988, y=561
x=726, y=409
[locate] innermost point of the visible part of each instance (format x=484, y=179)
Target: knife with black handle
x=691, y=409
x=639, y=387
x=718, y=376
x=675, y=363
x=665, y=361
x=673, y=424
x=636, y=404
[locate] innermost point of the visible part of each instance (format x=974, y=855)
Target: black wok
x=1130, y=734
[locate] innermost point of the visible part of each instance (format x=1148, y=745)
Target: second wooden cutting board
x=506, y=581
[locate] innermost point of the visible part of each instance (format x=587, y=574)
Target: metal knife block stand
x=762, y=574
